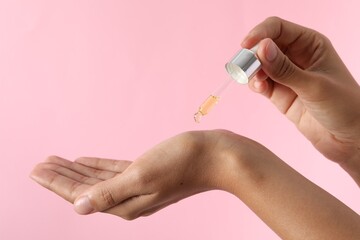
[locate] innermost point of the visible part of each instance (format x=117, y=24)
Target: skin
x=309, y=84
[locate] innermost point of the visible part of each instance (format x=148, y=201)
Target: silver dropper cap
x=244, y=65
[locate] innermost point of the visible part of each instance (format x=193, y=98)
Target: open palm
x=71, y=179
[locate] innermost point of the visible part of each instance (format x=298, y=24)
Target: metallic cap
x=243, y=66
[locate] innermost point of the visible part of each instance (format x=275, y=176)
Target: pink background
x=113, y=78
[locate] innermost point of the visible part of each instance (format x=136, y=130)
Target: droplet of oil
x=197, y=117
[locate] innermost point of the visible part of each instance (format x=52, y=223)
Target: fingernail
x=83, y=206
x=271, y=51
x=257, y=84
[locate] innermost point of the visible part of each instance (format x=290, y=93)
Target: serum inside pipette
x=205, y=108
x=211, y=101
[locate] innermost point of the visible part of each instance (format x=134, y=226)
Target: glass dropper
x=241, y=68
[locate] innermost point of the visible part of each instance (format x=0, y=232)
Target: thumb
x=279, y=67
x=104, y=195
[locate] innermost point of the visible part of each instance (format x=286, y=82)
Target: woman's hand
x=179, y=167
x=194, y=162
x=307, y=81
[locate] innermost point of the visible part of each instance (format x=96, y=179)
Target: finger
x=302, y=45
x=263, y=87
x=261, y=84
x=261, y=75
x=109, y=193
x=104, y=164
x=279, y=67
x=65, y=187
x=281, y=96
x=81, y=168
x=66, y=172
x=283, y=32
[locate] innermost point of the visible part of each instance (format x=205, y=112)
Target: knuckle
x=322, y=38
x=140, y=178
x=285, y=70
x=319, y=40
x=324, y=43
x=108, y=197
x=138, y=175
x=273, y=20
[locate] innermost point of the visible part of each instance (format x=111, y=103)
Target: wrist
x=223, y=156
x=244, y=164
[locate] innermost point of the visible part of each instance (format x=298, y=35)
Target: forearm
x=287, y=202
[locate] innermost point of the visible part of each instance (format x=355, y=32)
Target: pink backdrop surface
x=113, y=78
